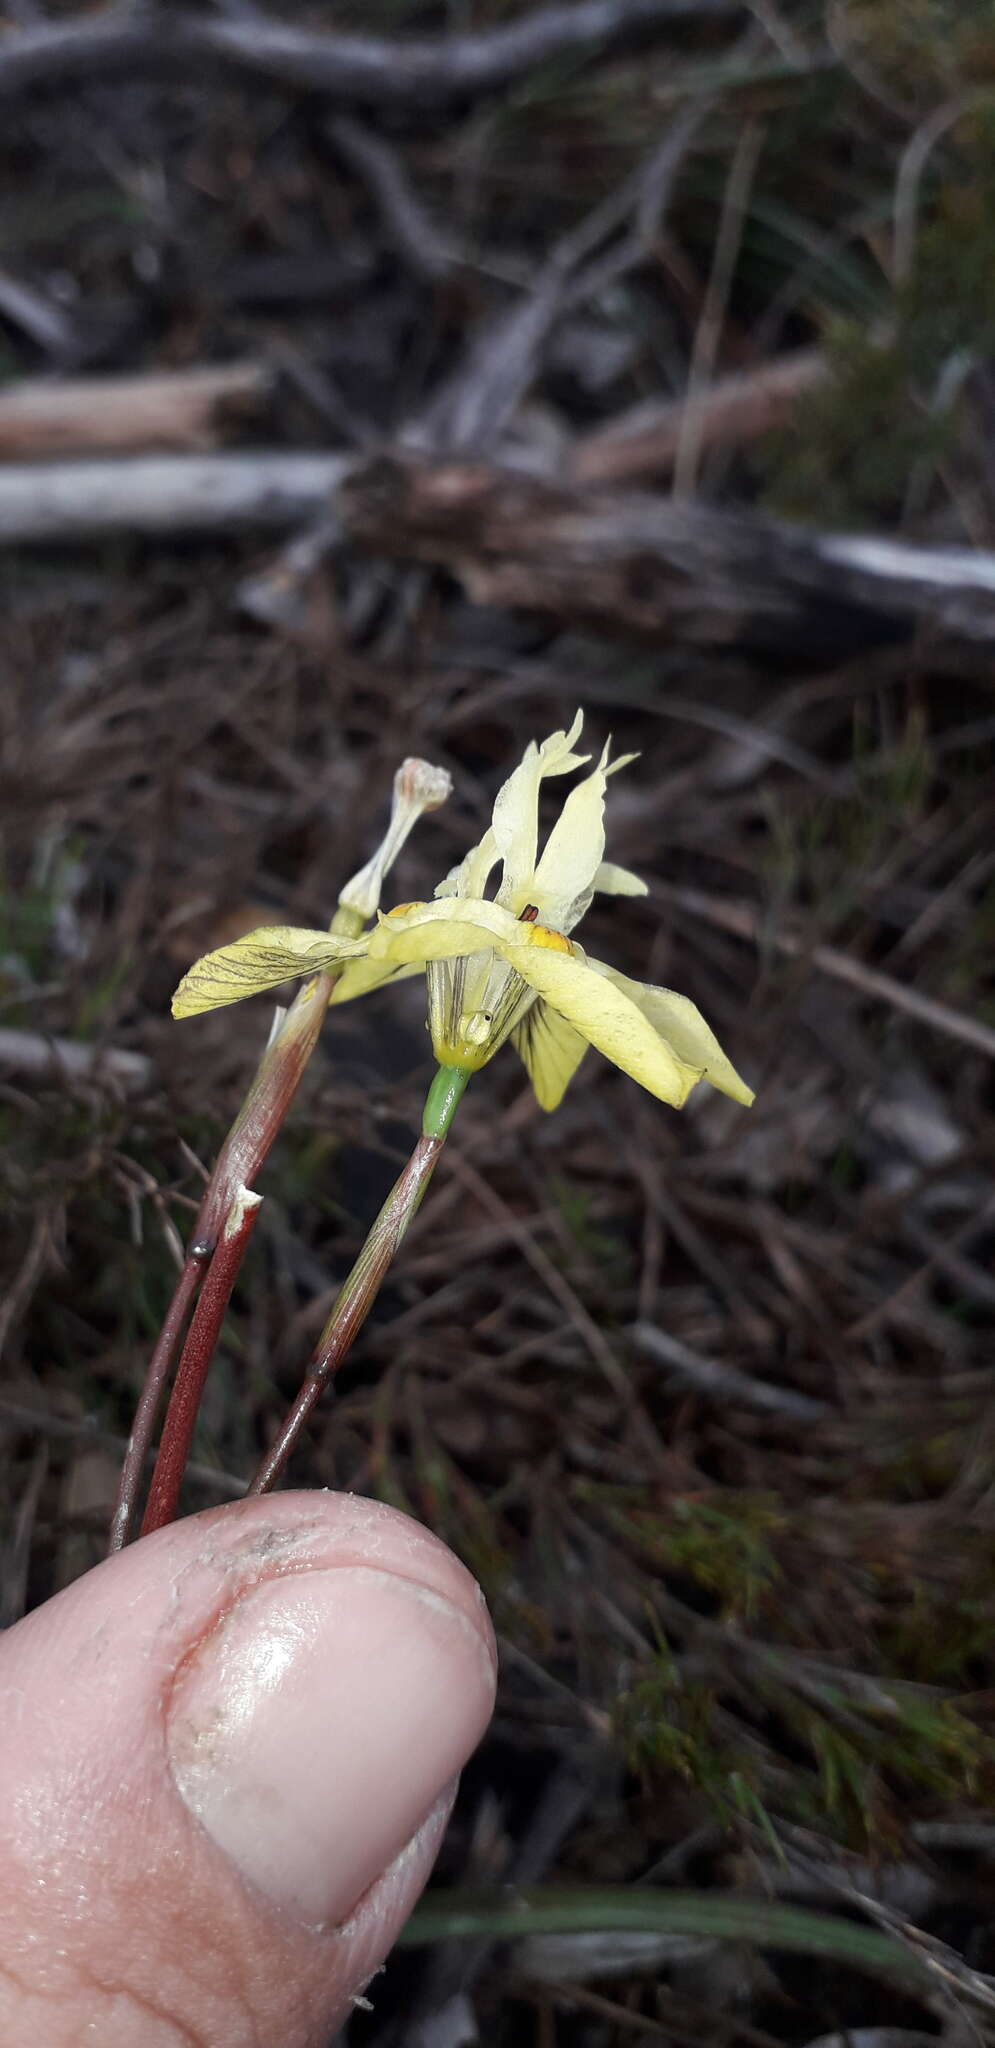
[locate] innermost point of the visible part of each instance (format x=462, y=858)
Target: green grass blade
x=724, y=1916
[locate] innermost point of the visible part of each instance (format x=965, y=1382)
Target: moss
x=922, y=50
x=665, y=1728
x=726, y=1546
x=838, y=1756
x=862, y=436
x=897, y=404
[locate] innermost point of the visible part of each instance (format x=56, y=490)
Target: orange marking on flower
x=557, y=942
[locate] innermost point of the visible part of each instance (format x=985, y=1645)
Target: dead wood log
x=165, y=494
x=663, y=571
x=628, y=565
x=171, y=409
x=413, y=72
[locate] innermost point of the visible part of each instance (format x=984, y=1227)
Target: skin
x=227, y=1757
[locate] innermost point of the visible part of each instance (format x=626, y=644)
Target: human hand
x=227, y=1757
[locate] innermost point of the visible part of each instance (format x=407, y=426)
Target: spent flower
x=418, y=787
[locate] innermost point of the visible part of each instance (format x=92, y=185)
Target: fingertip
x=230, y=1736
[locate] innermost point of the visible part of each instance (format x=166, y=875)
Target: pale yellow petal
x=471, y=877
x=550, y=1050
x=681, y=1023
x=260, y=960
x=614, y=881
x=573, y=857
x=360, y=977
x=516, y=807
x=573, y=853
x=440, y=930
x=587, y=1000
x=606, y=1017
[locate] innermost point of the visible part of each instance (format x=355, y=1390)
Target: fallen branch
x=31, y=1052
x=413, y=72
x=174, y=409
x=164, y=494
x=732, y=412
x=628, y=565
x=647, y=568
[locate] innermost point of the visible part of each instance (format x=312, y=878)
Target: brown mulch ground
x=746, y=1641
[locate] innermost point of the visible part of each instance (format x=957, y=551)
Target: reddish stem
x=269, y=1096
x=244, y=1151
x=143, y=1427
x=353, y=1303
x=191, y=1373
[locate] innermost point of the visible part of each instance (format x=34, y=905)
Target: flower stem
x=442, y=1100
x=195, y=1359
x=360, y=1290
x=143, y=1426
x=243, y=1153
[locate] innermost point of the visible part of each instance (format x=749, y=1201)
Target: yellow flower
x=504, y=966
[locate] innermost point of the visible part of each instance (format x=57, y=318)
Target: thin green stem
x=358, y=1293
x=442, y=1100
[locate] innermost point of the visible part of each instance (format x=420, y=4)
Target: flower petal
x=586, y=998
x=471, y=877
x=440, y=930
x=614, y=881
x=550, y=1050
x=360, y=977
x=262, y=959
x=516, y=807
x=681, y=1023
x=565, y=878
x=605, y=1016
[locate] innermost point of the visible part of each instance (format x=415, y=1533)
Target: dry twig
x=745, y=922
x=37, y=316
x=477, y=403
x=411, y=72
x=725, y=1382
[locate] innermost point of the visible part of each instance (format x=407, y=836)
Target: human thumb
x=227, y=1756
